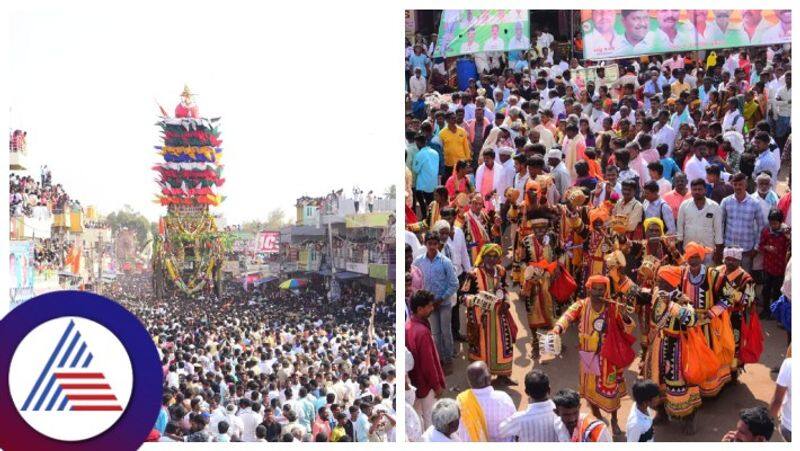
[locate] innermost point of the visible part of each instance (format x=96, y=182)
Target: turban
x=490, y=248
x=692, y=249
x=650, y=221
x=505, y=150
x=476, y=196
x=532, y=185
x=733, y=252
x=575, y=196
x=615, y=259
x=512, y=195
x=598, y=279
x=670, y=275
x=440, y=224
x=598, y=214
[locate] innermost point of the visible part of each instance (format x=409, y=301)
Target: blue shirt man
x=420, y=61
x=439, y=275
x=425, y=167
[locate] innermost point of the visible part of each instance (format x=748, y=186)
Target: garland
x=195, y=138
x=191, y=154
x=209, y=199
x=181, y=183
x=207, y=174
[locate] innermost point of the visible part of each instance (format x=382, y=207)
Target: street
x=715, y=417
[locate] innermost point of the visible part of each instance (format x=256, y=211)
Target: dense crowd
x=650, y=207
x=270, y=365
x=26, y=193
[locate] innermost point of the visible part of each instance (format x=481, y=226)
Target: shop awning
x=347, y=275
x=264, y=280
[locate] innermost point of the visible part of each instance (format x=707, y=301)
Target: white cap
x=554, y=153
x=734, y=252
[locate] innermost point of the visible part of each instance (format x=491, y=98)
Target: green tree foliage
x=128, y=218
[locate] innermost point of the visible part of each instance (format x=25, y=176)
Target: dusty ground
x=715, y=417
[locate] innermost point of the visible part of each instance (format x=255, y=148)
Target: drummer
x=491, y=331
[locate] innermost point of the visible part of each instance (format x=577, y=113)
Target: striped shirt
x=743, y=221
x=534, y=424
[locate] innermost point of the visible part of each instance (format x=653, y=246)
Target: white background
x=108, y=357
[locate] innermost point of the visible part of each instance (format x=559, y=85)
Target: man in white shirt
x=250, y=421
x=664, y=133
x=640, y=423
x=470, y=46
x=446, y=417
x=537, y=422
x=507, y=177
x=521, y=175
x=559, y=172
x=700, y=220
x=519, y=41
x=695, y=167
x=781, y=31
x=602, y=41
x=637, y=37
x=494, y=43
x=782, y=399
x=672, y=35
x=496, y=405
x=546, y=137
x=754, y=25
x=733, y=119
x=417, y=85
x=488, y=178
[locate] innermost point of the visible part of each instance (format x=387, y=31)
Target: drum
x=483, y=300
x=549, y=344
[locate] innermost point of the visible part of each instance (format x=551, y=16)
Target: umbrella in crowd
x=293, y=283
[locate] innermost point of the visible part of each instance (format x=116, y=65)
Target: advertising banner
x=599, y=75
x=268, y=242
x=465, y=31
x=21, y=270
x=379, y=219
x=379, y=271
x=613, y=33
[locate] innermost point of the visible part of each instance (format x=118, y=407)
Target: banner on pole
x=466, y=31
x=613, y=33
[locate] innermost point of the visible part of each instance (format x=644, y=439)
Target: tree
x=128, y=218
x=276, y=219
x=253, y=226
x=390, y=192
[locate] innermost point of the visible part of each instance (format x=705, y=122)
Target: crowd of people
x=27, y=193
x=270, y=365
x=30, y=197
x=650, y=208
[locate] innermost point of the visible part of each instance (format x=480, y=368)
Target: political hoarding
x=599, y=75
x=268, y=242
x=467, y=31
x=21, y=270
x=611, y=33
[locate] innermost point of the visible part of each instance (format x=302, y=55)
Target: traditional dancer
x=672, y=314
x=736, y=289
x=601, y=383
x=491, y=332
x=697, y=283
x=538, y=252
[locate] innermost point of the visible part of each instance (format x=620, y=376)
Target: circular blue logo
x=81, y=372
